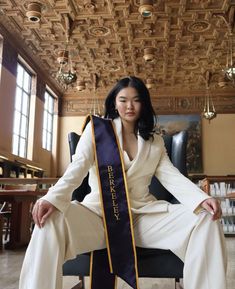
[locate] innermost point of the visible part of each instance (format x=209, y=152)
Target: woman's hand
x=213, y=207
x=41, y=211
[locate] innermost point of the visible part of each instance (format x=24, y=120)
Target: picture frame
x=171, y=124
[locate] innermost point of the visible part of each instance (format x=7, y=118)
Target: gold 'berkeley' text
x=113, y=193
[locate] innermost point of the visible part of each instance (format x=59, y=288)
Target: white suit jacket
x=151, y=159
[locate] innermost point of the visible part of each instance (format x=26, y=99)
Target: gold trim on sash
x=91, y=267
x=101, y=198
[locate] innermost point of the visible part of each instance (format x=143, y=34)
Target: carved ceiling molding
x=71, y=106
x=109, y=38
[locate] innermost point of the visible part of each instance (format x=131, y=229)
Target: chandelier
x=95, y=103
x=209, y=109
x=228, y=71
x=66, y=74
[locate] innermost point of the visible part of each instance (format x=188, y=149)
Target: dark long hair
x=145, y=124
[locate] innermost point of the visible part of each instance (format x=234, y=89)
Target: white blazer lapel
x=118, y=127
x=139, y=160
x=143, y=147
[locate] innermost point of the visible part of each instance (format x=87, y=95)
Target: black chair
x=84, y=189
x=152, y=263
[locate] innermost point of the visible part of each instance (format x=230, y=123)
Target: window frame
x=48, y=113
x=20, y=135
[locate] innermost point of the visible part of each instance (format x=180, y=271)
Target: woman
x=190, y=229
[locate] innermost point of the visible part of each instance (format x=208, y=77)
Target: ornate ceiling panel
x=109, y=38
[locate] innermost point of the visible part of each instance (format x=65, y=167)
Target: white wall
x=218, y=143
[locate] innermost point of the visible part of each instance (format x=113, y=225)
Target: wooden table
x=21, y=202
x=27, y=181
x=21, y=220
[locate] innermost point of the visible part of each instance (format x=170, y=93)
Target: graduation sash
x=120, y=259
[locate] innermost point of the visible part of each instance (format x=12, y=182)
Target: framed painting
x=171, y=124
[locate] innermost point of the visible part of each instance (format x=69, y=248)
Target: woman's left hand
x=213, y=207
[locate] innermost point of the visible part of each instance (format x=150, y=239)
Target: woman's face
x=128, y=104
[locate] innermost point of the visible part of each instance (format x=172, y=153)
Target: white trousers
x=196, y=239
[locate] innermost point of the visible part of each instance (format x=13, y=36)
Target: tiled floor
x=10, y=263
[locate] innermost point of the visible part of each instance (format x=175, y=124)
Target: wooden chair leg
x=7, y=229
x=1, y=230
x=177, y=284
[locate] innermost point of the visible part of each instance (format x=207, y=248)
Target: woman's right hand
x=41, y=212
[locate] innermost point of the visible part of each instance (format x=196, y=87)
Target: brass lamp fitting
x=146, y=8
x=63, y=57
x=223, y=82
x=149, y=54
x=150, y=83
x=34, y=11
x=81, y=85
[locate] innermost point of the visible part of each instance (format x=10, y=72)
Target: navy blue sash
x=116, y=211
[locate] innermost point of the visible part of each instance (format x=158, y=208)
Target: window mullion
x=24, y=80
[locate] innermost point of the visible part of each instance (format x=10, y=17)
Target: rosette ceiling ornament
x=228, y=72
x=209, y=109
x=66, y=74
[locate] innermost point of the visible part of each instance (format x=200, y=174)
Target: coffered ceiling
x=109, y=38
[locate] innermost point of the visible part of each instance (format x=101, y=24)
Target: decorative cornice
x=9, y=57
x=74, y=106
